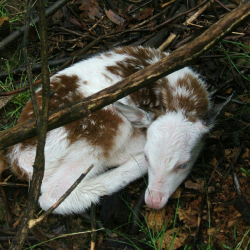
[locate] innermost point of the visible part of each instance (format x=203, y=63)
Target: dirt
x=207, y=209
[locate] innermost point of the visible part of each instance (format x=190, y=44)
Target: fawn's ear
x=138, y=117
x=209, y=118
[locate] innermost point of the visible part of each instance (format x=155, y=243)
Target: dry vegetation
x=211, y=209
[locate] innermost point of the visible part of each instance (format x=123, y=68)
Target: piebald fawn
x=157, y=130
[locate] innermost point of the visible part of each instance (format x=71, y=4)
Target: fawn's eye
x=183, y=166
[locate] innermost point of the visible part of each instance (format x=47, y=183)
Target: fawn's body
x=157, y=129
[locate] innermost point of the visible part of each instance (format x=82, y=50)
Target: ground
x=210, y=210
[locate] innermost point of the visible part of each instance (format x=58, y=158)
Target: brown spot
x=141, y=53
x=108, y=54
x=160, y=96
x=197, y=102
x=65, y=89
x=107, y=77
x=98, y=129
x=166, y=96
x=139, y=58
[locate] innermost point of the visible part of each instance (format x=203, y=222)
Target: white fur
x=171, y=140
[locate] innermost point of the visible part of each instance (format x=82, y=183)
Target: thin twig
x=216, y=13
x=93, y=226
x=172, y=36
x=177, y=16
x=222, y=5
x=34, y=222
x=233, y=164
x=26, y=60
x=18, y=33
x=139, y=7
x=199, y=219
x=38, y=167
x=10, y=184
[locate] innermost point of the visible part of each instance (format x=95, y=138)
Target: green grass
x=245, y=172
x=15, y=15
x=152, y=238
x=238, y=56
x=239, y=245
x=14, y=107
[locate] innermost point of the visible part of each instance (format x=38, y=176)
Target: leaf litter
x=203, y=209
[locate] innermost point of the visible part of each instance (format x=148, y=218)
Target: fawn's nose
x=155, y=199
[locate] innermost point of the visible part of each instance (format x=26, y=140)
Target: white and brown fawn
x=157, y=130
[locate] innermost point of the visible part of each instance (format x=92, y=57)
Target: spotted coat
x=158, y=129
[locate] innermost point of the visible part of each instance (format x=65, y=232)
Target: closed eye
x=184, y=165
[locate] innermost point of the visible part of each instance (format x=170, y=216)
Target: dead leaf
x=145, y=13
x=57, y=17
x=188, y=216
x=198, y=185
x=4, y=100
x=169, y=237
x=75, y=22
x=177, y=193
x=211, y=189
x=90, y=9
x=155, y=219
x=81, y=44
x=212, y=230
x=115, y=18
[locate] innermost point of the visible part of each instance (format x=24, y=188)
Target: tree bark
x=178, y=59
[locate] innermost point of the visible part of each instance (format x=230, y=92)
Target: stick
x=38, y=167
x=187, y=22
x=18, y=33
x=26, y=60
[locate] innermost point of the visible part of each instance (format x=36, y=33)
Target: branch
x=18, y=33
x=38, y=167
x=181, y=57
x=26, y=60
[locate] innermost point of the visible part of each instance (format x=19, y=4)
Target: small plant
x=239, y=245
x=154, y=238
x=13, y=109
x=15, y=16
x=239, y=57
x=245, y=172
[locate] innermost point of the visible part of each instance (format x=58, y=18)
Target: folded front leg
x=89, y=191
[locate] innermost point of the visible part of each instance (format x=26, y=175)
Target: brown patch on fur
x=107, y=77
x=143, y=54
x=160, y=95
x=139, y=58
x=108, y=54
x=166, y=96
x=64, y=92
x=197, y=102
x=98, y=129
